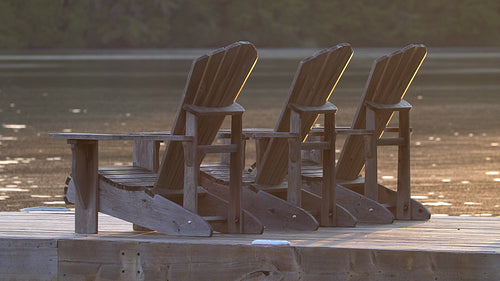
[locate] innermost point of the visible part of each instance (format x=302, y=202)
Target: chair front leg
x=403, y=208
x=234, y=220
x=328, y=202
x=294, y=193
x=84, y=174
x=371, y=187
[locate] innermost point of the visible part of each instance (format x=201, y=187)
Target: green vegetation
x=282, y=23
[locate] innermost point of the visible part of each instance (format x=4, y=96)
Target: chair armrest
x=257, y=133
x=155, y=136
x=319, y=131
x=350, y=131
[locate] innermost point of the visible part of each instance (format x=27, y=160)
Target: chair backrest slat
x=387, y=83
x=314, y=81
x=215, y=80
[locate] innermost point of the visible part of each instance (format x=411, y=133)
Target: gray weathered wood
x=128, y=136
x=281, y=149
x=365, y=210
x=273, y=212
x=328, y=193
x=149, y=211
x=215, y=80
x=213, y=206
x=191, y=164
x=222, y=148
x=328, y=213
x=315, y=79
x=27, y=259
x=387, y=83
x=401, y=105
x=42, y=246
x=225, y=158
x=232, y=109
x=146, y=154
x=84, y=173
x=214, y=83
x=294, y=162
x=234, y=218
x=403, y=210
x=371, y=190
x=327, y=107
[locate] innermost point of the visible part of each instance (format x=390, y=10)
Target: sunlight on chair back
x=387, y=83
x=215, y=80
x=314, y=82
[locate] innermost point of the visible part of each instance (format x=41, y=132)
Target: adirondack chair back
x=215, y=80
x=313, y=85
x=387, y=83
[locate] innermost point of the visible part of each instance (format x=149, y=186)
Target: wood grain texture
x=85, y=177
x=313, y=85
x=329, y=191
x=387, y=83
x=146, y=154
x=365, y=210
x=215, y=80
x=153, y=136
x=403, y=210
x=42, y=246
x=28, y=259
x=235, y=211
x=214, y=83
x=149, y=211
x=273, y=212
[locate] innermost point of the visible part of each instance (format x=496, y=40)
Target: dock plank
x=43, y=245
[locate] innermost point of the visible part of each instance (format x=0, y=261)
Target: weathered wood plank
x=210, y=205
x=371, y=157
x=232, y=109
x=146, y=155
x=444, y=248
x=273, y=212
x=137, y=260
x=313, y=84
x=127, y=136
x=152, y=212
x=85, y=177
x=235, y=211
x=387, y=83
x=294, y=161
x=403, y=207
x=365, y=210
x=28, y=259
x=214, y=81
x=191, y=164
x=329, y=191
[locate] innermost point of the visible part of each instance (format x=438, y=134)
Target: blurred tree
x=203, y=23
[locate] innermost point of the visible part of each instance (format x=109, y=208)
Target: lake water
x=456, y=117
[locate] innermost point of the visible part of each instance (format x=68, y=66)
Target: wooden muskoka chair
x=387, y=84
x=167, y=198
x=312, y=86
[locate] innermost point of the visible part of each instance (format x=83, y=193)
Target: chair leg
x=151, y=211
x=274, y=213
x=84, y=173
x=403, y=211
x=328, y=194
x=294, y=163
x=234, y=218
x=191, y=165
x=371, y=189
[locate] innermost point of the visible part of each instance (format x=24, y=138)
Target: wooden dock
x=43, y=246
